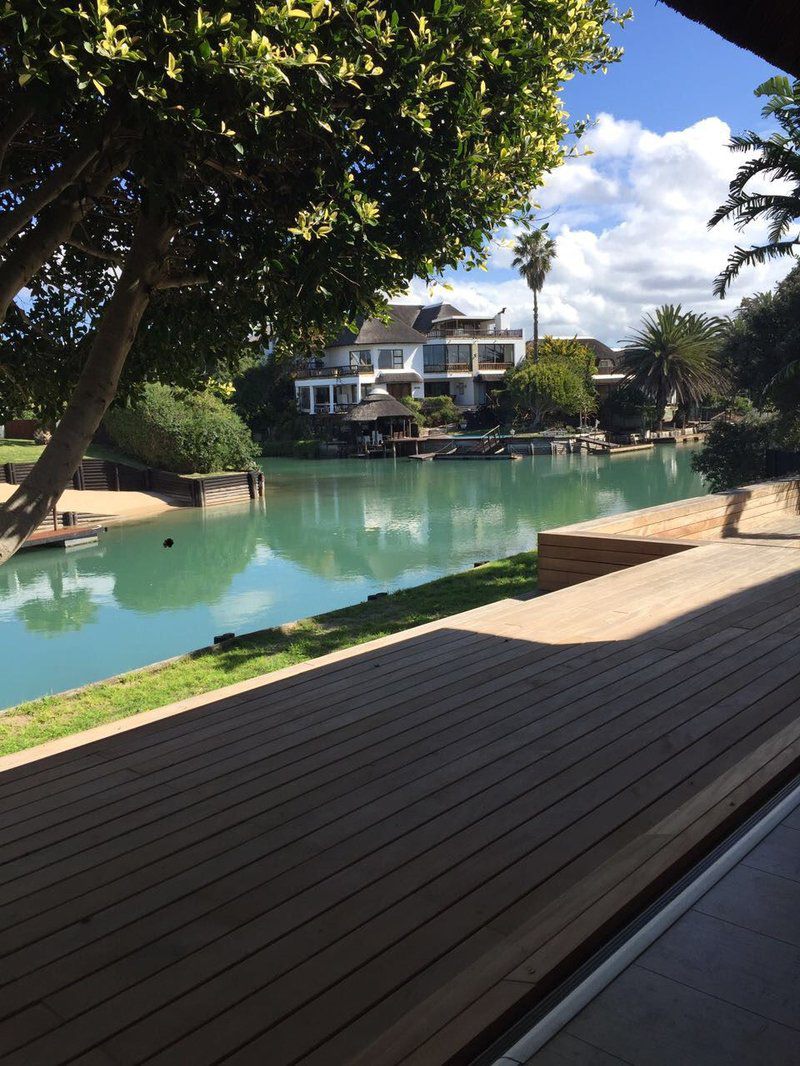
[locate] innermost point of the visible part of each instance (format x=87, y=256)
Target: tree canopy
x=674, y=357
x=256, y=167
x=558, y=382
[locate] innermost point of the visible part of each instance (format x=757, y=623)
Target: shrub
x=187, y=434
x=439, y=410
x=735, y=453
x=415, y=407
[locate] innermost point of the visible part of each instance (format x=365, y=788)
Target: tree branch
x=180, y=281
x=97, y=253
x=15, y=122
x=52, y=186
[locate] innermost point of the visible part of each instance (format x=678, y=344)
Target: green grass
x=262, y=652
x=25, y=451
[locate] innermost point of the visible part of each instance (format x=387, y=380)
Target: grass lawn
x=25, y=451
x=264, y=651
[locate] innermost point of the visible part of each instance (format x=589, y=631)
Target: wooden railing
x=499, y=365
x=446, y=368
x=472, y=331
x=335, y=371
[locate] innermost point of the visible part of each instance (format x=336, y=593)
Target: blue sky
x=630, y=219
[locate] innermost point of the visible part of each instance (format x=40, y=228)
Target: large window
x=361, y=357
x=442, y=357
x=390, y=359
x=502, y=354
x=304, y=398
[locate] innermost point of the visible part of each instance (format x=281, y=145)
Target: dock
x=389, y=854
x=65, y=537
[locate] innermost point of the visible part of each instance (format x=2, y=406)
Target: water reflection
x=330, y=533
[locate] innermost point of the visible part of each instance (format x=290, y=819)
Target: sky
x=630, y=219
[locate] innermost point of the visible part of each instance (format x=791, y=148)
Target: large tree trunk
x=56, y=224
x=96, y=387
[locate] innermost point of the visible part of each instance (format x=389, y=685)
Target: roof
x=408, y=324
x=378, y=404
x=769, y=28
x=598, y=349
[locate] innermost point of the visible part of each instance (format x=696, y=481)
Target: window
x=441, y=357
x=390, y=359
x=322, y=396
x=304, y=398
x=437, y=388
x=361, y=357
x=605, y=366
x=496, y=353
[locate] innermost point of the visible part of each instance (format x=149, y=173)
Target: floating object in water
x=168, y=542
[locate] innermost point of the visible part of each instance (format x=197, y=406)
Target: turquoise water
x=329, y=533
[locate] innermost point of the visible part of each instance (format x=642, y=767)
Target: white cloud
x=630, y=222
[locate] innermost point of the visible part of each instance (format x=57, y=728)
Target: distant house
x=609, y=365
x=421, y=351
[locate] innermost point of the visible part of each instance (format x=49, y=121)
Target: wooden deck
x=382, y=856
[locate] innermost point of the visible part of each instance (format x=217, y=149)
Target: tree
x=760, y=348
x=294, y=160
x=778, y=159
x=534, y=253
x=559, y=382
x=673, y=357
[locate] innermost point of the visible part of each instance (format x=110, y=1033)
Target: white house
x=420, y=351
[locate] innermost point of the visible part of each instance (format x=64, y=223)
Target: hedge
x=184, y=433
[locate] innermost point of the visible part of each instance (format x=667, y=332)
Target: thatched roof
x=379, y=404
x=769, y=28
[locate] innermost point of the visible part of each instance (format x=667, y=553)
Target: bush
x=415, y=407
x=187, y=434
x=735, y=453
x=439, y=410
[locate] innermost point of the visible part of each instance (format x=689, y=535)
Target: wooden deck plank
x=343, y=862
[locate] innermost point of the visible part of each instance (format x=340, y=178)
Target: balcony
x=447, y=368
x=472, y=331
x=335, y=371
x=495, y=366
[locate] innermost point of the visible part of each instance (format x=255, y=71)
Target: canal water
x=328, y=534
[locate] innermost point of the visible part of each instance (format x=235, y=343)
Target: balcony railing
x=472, y=331
x=495, y=366
x=446, y=368
x=335, y=371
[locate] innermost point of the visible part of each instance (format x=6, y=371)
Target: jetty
x=488, y=445
x=392, y=854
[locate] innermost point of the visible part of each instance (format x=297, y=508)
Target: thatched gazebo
x=380, y=415
x=769, y=28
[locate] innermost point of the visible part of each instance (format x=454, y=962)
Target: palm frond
x=756, y=255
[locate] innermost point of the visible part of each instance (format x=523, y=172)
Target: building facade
x=420, y=351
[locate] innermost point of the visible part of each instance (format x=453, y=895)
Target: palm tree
x=779, y=160
x=674, y=355
x=534, y=253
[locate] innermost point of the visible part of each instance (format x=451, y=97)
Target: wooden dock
x=385, y=855
x=65, y=537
